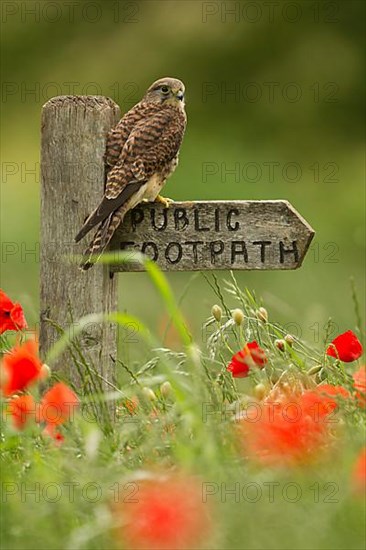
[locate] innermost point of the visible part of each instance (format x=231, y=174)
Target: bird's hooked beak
x=179, y=94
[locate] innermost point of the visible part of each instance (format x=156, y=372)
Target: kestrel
x=141, y=153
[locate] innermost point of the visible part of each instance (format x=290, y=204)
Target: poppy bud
x=166, y=389
x=315, y=369
x=280, y=344
x=260, y=391
x=149, y=394
x=289, y=339
x=45, y=371
x=216, y=312
x=238, y=316
x=262, y=314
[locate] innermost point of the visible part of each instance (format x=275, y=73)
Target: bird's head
x=166, y=90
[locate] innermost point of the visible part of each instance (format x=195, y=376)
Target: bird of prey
x=141, y=153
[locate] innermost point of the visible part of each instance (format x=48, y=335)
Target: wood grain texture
x=213, y=235
x=74, y=130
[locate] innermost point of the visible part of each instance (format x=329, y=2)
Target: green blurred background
x=269, y=84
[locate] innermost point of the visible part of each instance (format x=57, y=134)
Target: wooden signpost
x=188, y=236
x=207, y=235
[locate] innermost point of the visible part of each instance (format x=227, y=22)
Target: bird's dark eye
x=165, y=89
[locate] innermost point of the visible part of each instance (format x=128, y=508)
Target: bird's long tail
x=102, y=238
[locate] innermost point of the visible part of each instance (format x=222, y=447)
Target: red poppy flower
x=359, y=378
x=163, y=513
x=58, y=404
x=22, y=408
x=21, y=366
x=329, y=389
x=345, y=347
x=52, y=431
x=323, y=400
x=293, y=430
x=251, y=355
x=359, y=474
x=11, y=314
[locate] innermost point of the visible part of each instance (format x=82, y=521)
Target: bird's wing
x=118, y=136
x=107, y=206
x=151, y=144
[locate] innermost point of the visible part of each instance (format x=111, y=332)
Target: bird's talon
x=164, y=200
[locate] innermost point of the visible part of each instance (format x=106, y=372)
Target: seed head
x=262, y=314
x=238, y=316
x=216, y=312
x=166, y=389
x=260, y=391
x=149, y=394
x=289, y=339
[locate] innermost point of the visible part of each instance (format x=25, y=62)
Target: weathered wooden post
x=74, y=130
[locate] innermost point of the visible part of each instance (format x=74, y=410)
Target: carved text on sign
x=192, y=236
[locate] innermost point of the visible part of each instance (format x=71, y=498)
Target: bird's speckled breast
x=157, y=181
x=153, y=187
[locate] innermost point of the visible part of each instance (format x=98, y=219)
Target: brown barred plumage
x=141, y=153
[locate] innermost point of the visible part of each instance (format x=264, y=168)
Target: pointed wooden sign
x=208, y=235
